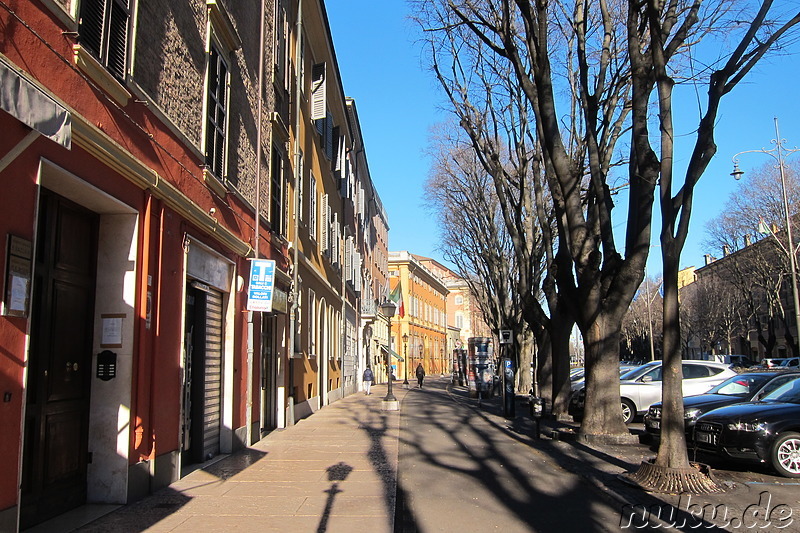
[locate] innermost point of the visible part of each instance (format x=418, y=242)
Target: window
x=312, y=213
x=276, y=191
x=103, y=31
x=312, y=323
x=459, y=320
x=299, y=180
x=216, y=112
x=459, y=300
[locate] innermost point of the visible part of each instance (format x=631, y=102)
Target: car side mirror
x=647, y=379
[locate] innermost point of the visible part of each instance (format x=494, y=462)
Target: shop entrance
x=202, y=390
x=55, y=453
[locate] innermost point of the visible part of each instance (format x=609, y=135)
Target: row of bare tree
x=560, y=108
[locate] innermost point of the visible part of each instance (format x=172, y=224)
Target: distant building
x=425, y=318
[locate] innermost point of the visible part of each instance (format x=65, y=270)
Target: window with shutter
x=348, y=259
x=276, y=191
x=336, y=151
x=103, y=30
x=325, y=213
x=216, y=112
x=312, y=213
x=318, y=92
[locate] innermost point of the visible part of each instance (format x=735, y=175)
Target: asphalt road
x=465, y=468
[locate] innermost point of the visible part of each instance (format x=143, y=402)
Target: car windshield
x=789, y=393
x=741, y=385
x=638, y=371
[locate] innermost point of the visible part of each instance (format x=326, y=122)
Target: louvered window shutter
x=324, y=229
x=103, y=31
x=117, y=39
x=318, y=92
x=358, y=272
x=329, y=136
x=336, y=161
x=348, y=259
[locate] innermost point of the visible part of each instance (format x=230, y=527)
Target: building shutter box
x=318, y=92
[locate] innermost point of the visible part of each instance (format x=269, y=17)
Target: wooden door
x=55, y=450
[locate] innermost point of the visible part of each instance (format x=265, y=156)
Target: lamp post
x=405, y=358
x=387, y=310
x=777, y=153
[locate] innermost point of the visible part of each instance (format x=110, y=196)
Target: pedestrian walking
x=420, y=375
x=369, y=377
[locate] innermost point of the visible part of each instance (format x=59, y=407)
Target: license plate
x=655, y=424
x=706, y=438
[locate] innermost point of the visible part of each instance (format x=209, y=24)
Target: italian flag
x=397, y=297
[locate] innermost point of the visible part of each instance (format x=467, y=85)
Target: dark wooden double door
x=55, y=453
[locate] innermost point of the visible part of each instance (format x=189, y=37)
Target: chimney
x=708, y=259
x=747, y=240
x=726, y=250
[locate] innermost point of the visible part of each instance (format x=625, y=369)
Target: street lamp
x=405, y=358
x=387, y=310
x=777, y=153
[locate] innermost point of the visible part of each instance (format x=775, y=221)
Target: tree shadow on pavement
x=581, y=459
x=477, y=449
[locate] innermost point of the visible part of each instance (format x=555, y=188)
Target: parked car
x=746, y=387
x=764, y=431
x=578, y=383
x=772, y=362
x=641, y=387
x=791, y=362
x=733, y=360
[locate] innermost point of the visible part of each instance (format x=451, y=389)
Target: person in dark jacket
x=369, y=377
x=420, y=375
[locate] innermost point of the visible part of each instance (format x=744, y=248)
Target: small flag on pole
x=397, y=297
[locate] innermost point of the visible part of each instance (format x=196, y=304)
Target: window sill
x=213, y=183
x=98, y=73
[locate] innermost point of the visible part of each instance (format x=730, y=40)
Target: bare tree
x=495, y=115
x=756, y=260
x=474, y=237
x=641, y=327
x=585, y=44
x=657, y=33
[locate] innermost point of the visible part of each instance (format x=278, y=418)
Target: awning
x=397, y=356
x=31, y=106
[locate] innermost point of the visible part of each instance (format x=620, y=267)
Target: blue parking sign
x=262, y=285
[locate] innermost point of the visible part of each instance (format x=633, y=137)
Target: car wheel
x=628, y=411
x=785, y=454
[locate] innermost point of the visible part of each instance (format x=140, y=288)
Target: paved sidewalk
x=335, y=471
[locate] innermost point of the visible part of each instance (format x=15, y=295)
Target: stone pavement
x=333, y=471
x=338, y=471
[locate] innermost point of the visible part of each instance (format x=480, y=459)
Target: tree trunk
x=526, y=352
x=560, y=336
x=672, y=452
x=544, y=368
x=603, y=411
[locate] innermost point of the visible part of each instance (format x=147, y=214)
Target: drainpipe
x=141, y=426
x=295, y=202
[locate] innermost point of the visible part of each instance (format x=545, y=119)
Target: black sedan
x=746, y=387
x=763, y=431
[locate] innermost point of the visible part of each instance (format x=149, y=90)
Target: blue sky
x=398, y=102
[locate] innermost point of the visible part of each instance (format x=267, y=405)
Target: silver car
x=641, y=387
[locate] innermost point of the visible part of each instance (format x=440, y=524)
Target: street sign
x=262, y=285
x=505, y=336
